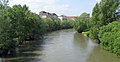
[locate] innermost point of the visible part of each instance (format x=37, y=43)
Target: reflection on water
x=27, y=53
x=63, y=46
x=84, y=45
x=100, y=55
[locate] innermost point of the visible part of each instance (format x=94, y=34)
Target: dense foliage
x=81, y=23
x=110, y=37
x=67, y=24
x=18, y=25
x=104, y=13
x=52, y=24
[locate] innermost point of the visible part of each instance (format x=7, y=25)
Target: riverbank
x=66, y=45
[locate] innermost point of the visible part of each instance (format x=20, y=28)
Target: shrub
x=110, y=37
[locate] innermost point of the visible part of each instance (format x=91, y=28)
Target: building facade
x=44, y=14
x=63, y=17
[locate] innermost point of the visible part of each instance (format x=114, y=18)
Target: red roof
x=71, y=16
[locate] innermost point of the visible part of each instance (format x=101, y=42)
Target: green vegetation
x=81, y=23
x=67, y=24
x=110, y=37
x=18, y=25
x=52, y=24
x=103, y=14
x=101, y=25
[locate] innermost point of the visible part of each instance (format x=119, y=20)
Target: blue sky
x=65, y=7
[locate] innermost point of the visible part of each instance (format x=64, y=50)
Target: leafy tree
x=103, y=14
x=3, y=3
x=81, y=24
x=7, y=43
x=109, y=36
x=16, y=25
x=67, y=24
x=95, y=17
x=108, y=11
x=52, y=24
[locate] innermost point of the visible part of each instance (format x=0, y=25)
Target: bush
x=82, y=23
x=67, y=24
x=93, y=33
x=18, y=25
x=110, y=37
x=81, y=28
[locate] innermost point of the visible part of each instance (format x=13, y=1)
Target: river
x=62, y=46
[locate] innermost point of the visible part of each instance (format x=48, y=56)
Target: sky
x=60, y=7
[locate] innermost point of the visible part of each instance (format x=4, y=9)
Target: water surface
x=63, y=46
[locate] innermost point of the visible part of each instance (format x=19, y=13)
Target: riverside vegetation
x=103, y=26
x=18, y=24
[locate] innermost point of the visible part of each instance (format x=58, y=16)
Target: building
x=44, y=14
x=71, y=17
x=63, y=17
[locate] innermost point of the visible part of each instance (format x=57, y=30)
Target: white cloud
x=60, y=9
x=43, y=5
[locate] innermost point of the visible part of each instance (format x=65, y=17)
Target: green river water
x=62, y=46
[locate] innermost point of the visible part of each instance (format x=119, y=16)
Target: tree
x=108, y=11
x=109, y=36
x=103, y=14
x=16, y=25
x=81, y=23
x=3, y=3
x=95, y=21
